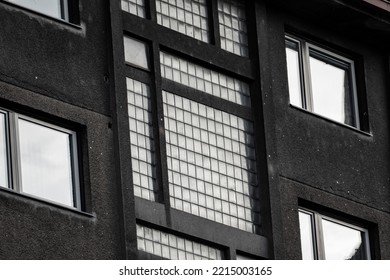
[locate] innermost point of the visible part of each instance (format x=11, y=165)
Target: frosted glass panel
x=211, y=163
x=203, y=79
x=232, y=27
x=185, y=16
x=136, y=52
x=45, y=160
x=135, y=7
x=141, y=139
x=3, y=153
x=47, y=7
x=173, y=247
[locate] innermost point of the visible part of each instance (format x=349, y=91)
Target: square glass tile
x=173, y=247
x=135, y=7
x=141, y=140
x=200, y=78
x=232, y=27
x=188, y=17
x=211, y=163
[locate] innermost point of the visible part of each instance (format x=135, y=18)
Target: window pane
x=232, y=27
x=47, y=7
x=211, y=163
x=143, y=155
x=307, y=237
x=294, y=75
x=185, y=16
x=331, y=91
x=203, y=79
x=45, y=160
x=3, y=153
x=135, y=7
x=173, y=247
x=136, y=52
x=342, y=242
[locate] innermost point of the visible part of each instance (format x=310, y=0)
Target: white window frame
x=304, y=50
x=318, y=240
x=14, y=159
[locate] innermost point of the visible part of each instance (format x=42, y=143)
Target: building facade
x=194, y=129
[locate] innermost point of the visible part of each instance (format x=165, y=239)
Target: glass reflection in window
x=330, y=239
x=307, y=238
x=3, y=152
x=342, y=242
x=321, y=82
x=53, y=8
x=331, y=89
x=45, y=162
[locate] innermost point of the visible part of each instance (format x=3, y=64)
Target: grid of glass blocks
x=135, y=7
x=185, y=16
x=211, y=163
x=141, y=140
x=203, y=79
x=173, y=247
x=232, y=27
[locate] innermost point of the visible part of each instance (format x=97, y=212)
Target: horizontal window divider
x=152, y=213
x=138, y=74
x=207, y=99
x=332, y=121
x=27, y=198
x=177, y=43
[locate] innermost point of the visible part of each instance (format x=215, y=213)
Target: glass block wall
x=203, y=79
x=173, y=247
x=185, y=16
x=232, y=27
x=135, y=7
x=141, y=139
x=211, y=163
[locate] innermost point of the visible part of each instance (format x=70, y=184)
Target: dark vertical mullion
x=214, y=23
x=15, y=152
x=159, y=131
x=122, y=151
x=150, y=6
x=8, y=152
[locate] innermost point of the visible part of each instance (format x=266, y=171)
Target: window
x=41, y=157
x=173, y=247
x=232, y=27
x=322, y=82
x=185, y=16
x=135, y=7
x=326, y=238
x=136, y=52
x=53, y=8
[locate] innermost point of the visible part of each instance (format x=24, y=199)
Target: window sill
x=332, y=121
x=28, y=198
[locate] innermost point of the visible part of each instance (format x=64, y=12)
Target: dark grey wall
x=320, y=162
x=56, y=71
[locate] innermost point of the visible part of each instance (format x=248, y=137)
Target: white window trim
x=14, y=161
x=304, y=48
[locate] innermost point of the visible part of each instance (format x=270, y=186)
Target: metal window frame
x=63, y=9
x=305, y=51
x=14, y=159
x=318, y=236
x=7, y=148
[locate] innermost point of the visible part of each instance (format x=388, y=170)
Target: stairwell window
x=322, y=82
